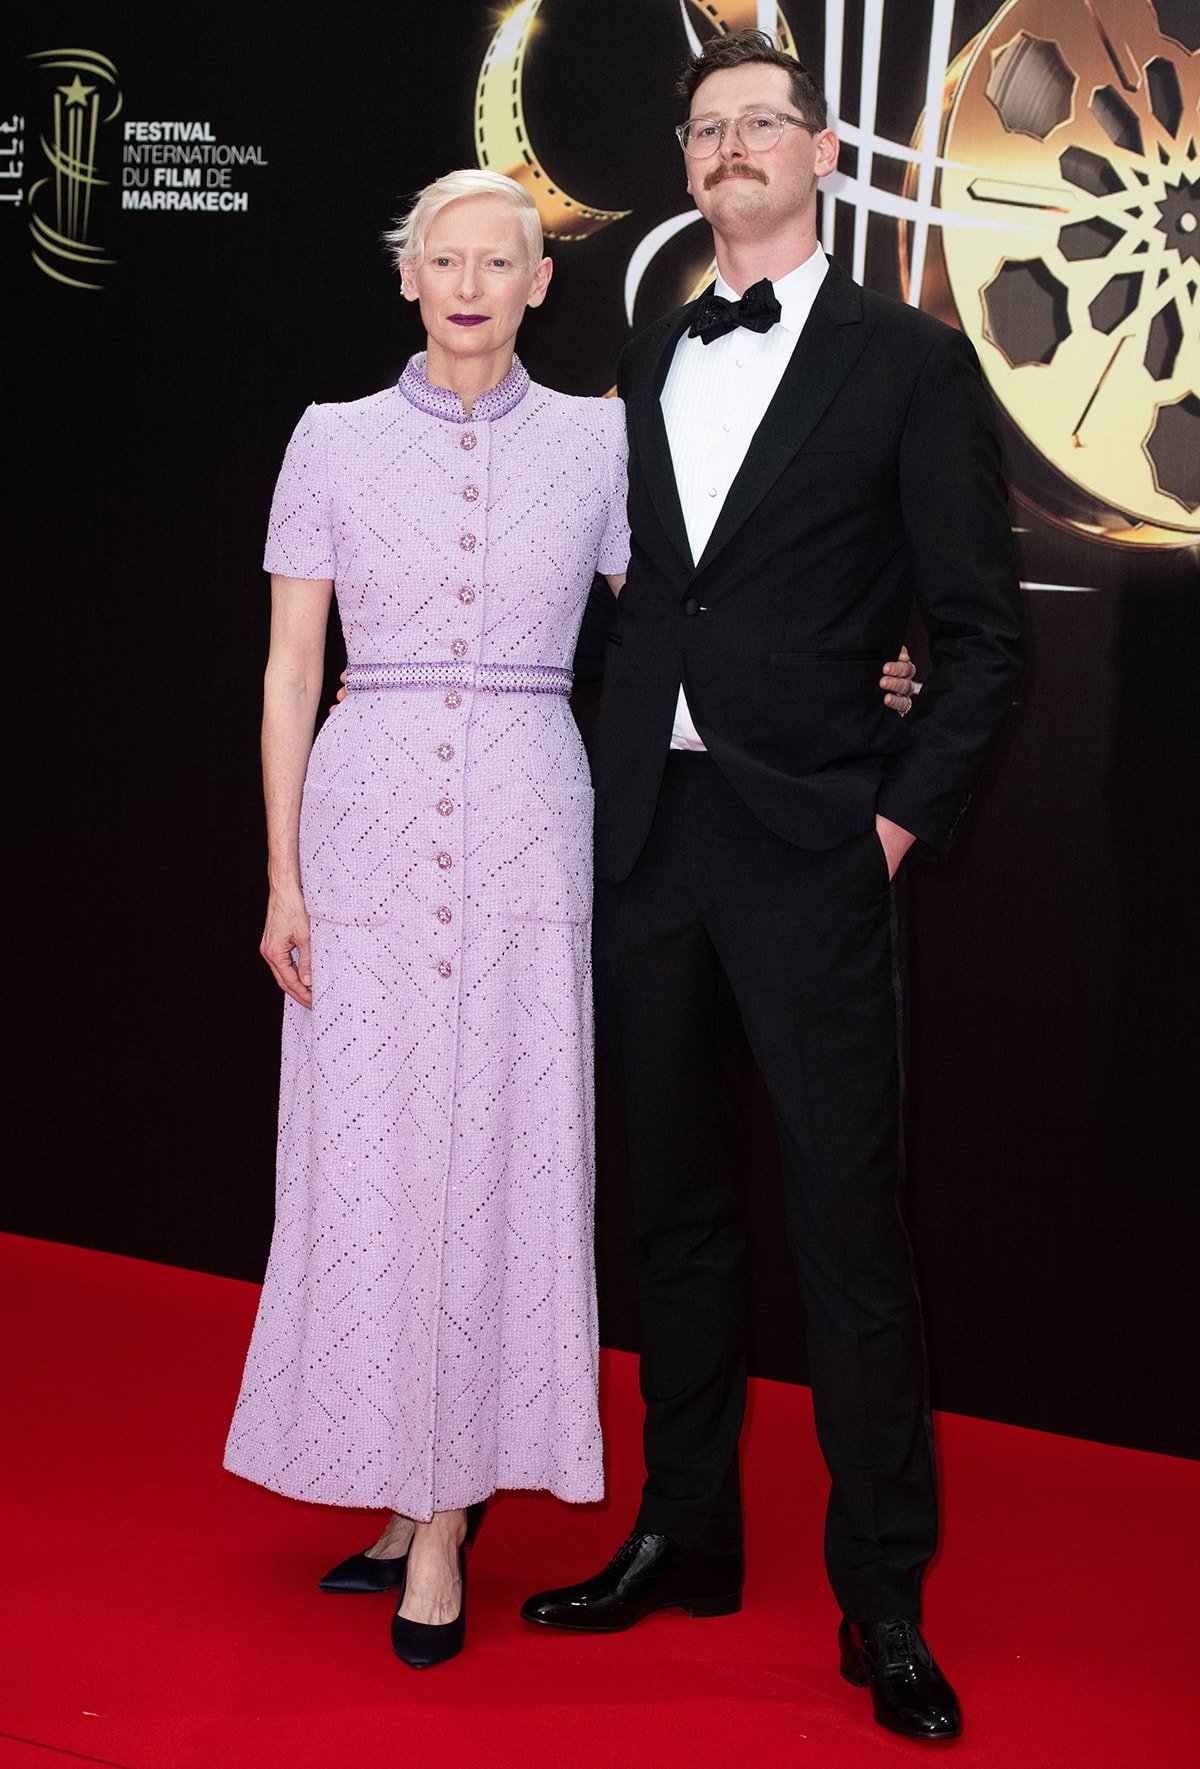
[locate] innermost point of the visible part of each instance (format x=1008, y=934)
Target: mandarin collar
x=441, y=402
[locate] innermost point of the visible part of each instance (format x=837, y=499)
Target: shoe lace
x=628, y=1549
x=901, y=1642
x=631, y=1549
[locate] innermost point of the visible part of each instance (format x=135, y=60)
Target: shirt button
x=445, y=915
x=691, y=606
x=467, y=542
x=445, y=752
x=445, y=807
x=444, y=969
x=727, y=428
x=471, y=493
x=712, y=491
x=444, y=862
x=466, y=594
x=738, y=362
x=468, y=439
x=459, y=648
x=454, y=698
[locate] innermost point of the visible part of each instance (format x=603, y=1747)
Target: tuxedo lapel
x=644, y=406
x=827, y=349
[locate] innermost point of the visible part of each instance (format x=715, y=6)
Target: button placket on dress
x=467, y=469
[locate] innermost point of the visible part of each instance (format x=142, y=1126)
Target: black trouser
x=806, y=943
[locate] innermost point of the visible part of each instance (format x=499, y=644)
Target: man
x=806, y=463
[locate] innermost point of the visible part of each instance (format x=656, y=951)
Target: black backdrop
x=1054, y=1086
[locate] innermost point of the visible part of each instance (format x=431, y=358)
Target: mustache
x=735, y=170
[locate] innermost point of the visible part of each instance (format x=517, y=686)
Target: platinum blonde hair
x=406, y=240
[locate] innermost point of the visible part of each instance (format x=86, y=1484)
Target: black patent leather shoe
x=364, y=1574
x=910, y=1694
x=425, y=1644
x=648, y=1573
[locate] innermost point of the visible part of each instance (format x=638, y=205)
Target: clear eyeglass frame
x=756, y=130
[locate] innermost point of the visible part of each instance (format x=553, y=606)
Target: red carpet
x=161, y=1615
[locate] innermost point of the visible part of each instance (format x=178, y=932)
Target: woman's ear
x=541, y=282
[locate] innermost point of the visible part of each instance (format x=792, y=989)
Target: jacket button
x=691, y=606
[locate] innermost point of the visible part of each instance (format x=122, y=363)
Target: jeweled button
x=445, y=807
x=471, y=493
x=466, y=594
x=468, y=439
x=454, y=698
x=467, y=542
x=458, y=648
x=444, y=862
x=444, y=969
x=445, y=752
x=445, y=915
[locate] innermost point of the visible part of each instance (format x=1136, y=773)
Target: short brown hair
x=737, y=49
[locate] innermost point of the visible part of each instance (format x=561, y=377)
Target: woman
x=427, y=1329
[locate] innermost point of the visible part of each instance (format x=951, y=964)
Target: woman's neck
x=466, y=376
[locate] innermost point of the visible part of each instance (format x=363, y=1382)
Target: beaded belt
x=491, y=678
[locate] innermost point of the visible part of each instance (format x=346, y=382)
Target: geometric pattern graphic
x=1073, y=128
x=427, y=1330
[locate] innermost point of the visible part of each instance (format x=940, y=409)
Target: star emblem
x=76, y=92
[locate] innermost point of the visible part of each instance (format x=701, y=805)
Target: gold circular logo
x=1070, y=254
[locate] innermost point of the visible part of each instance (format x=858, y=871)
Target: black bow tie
x=758, y=310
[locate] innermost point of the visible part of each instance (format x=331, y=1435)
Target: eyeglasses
x=756, y=130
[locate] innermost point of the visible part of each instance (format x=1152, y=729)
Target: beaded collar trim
x=440, y=402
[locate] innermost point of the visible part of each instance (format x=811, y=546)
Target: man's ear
x=827, y=153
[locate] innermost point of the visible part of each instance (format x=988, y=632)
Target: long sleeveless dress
x=427, y=1329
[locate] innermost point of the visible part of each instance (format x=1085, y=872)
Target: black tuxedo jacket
x=873, y=482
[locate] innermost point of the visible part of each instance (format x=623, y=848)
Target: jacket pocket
x=346, y=855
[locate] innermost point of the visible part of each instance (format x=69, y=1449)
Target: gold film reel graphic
x=1075, y=125
x=502, y=141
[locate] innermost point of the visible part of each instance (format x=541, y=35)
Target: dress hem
x=593, y=1495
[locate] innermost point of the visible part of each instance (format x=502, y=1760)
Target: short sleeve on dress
x=300, y=530
x=614, y=547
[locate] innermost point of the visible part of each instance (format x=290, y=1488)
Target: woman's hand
x=287, y=944
x=898, y=684
x=291, y=696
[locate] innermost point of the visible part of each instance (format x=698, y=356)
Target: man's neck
x=742, y=263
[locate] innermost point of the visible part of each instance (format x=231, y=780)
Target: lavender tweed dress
x=427, y=1330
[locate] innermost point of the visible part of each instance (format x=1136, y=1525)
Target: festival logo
x=1053, y=214
x=63, y=213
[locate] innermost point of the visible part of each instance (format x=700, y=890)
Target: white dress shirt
x=713, y=401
